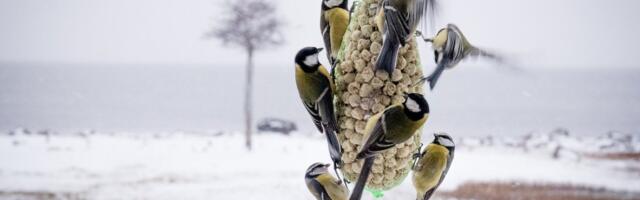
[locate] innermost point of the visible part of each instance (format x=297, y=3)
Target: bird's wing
x=435, y=75
x=428, y=11
x=325, y=108
x=318, y=190
x=315, y=115
x=325, y=30
x=454, y=48
x=376, y=140
x=396, y=24
x=449, y=161
x=326, y=37
x=325, y=105
x=428, y=194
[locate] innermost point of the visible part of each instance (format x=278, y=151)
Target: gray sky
x=549, y=33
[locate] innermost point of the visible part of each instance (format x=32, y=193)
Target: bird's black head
x=307, y=59
x=316, y=169
x=444, y=139
x=328, y=4
x=415, y=106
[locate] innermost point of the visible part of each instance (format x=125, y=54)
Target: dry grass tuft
x=522, y=191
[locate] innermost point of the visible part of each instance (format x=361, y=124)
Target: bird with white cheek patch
x=450, y=47
x=432, y=165
x=323, y=185
x=316, y=88
x=396, y=124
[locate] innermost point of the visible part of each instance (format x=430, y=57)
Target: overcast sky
x=545, y=33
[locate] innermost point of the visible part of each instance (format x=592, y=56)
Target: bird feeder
x=363, y=92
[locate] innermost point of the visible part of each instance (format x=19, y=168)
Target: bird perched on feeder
x=395, y=125
x=334, y=20
x=316, y=92
x=398, y=21
x=322, y=185
x=432, y=165
x=450, y=47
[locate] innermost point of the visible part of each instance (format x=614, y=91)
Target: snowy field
x=215, y=165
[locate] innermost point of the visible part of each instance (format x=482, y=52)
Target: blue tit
x=432, y=165
x=450, y=47
x=322, y=185
x=395, y=125
x=398, y=20
x=334, y=20
x=316, y=92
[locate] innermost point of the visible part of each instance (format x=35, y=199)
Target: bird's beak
x=319, y=49
x=327, y=165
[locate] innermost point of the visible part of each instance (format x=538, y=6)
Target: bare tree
x=251, y=25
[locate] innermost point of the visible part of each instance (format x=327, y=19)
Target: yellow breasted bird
x=316, y=92
x=432, y=165
x=398, y=21
x=322, y=185
x=334, y=20
x=450, y=47
x=395, y=125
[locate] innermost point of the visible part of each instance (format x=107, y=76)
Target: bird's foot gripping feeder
x=361, y=92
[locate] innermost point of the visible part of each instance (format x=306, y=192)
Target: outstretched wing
x=435, y=75
x=454, y=50
x=424, y=11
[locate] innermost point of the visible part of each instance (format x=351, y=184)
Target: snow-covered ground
x=215, y=165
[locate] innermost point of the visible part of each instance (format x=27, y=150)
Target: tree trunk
x=248, y=99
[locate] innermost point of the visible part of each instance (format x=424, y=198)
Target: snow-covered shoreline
x=215, y=165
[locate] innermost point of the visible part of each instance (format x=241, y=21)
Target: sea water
x=466, y=101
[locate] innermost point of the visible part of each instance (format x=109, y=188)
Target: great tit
x=398, y=20
x=316, y=92
x=322, y=185
x=395, y=125
x=450, y=47
x=334, y=20
x=432, y=165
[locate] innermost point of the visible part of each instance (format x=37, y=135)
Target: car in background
x=276, y=125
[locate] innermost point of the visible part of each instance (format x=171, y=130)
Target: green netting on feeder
x=361, y=93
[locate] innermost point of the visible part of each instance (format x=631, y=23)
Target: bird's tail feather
x=477, y=52
x=330, y=125
x=362, y=178
x=335, y=151
x=388, y=56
